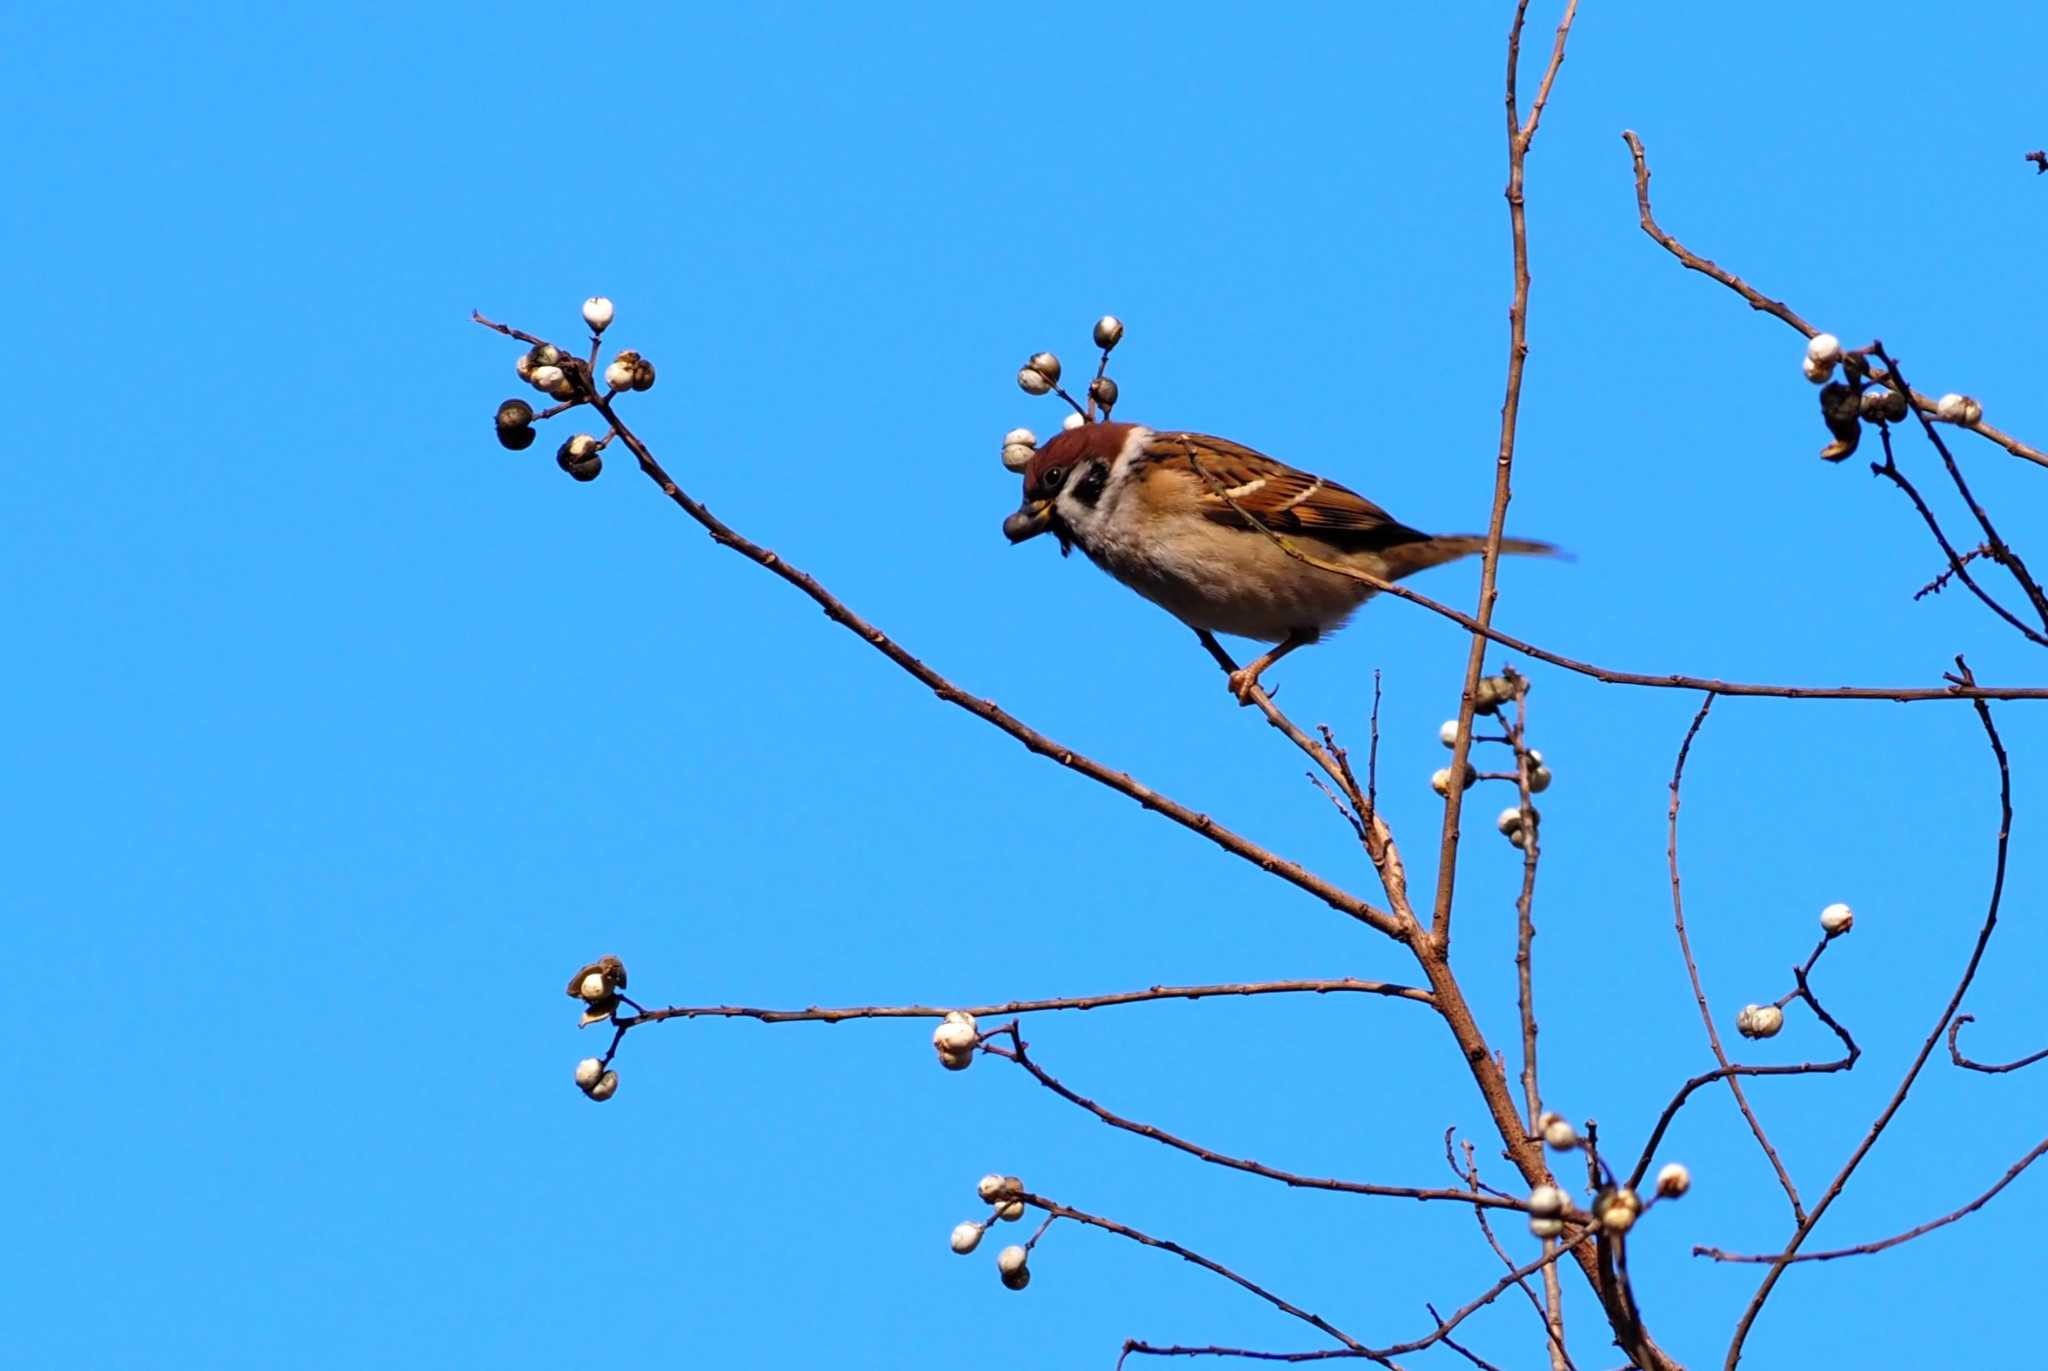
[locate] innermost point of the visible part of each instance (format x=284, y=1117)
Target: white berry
x=597, y=312
x=1010, y=1212
x=1012, y=1258
x=1548, y=1202
x=548, y=378
x=593, y=987
x=989, y=1187
x=619, y=375
x=1825, y=349
x=1760, y=1021
x=1837, y=919
x=1017, y=456
x=954, y=1036
x=1958, y=409
x=1674, y=1180
x=588, y=1071
x=1448, y=736
x=1817, y=372
x=1020, y=435
x=1510, y=820
x=1546, y=1228
x=1032, y=382
x=607, y=1085
x=1559, y=1133
x=966, y=1237
x=1073, y=421
x=1618, y=1210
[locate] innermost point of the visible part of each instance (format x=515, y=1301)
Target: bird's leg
x=1244, y=680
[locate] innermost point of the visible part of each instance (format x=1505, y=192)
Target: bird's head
x=1074, y=464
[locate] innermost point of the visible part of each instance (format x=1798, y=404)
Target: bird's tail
x=1409, y=558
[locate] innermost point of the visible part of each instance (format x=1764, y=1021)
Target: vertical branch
x=1692, y=970
x=1521, y=133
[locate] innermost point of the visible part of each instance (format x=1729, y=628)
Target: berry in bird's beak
x=1028, y=522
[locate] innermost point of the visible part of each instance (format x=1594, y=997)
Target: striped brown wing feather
x=1284, y=499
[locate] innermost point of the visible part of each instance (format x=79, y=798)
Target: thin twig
x=1898, y=1099
x=1699, y=993
x=1866, y=1248
x=1020, y=1054
x=814, y=1014
x=1955, y=1053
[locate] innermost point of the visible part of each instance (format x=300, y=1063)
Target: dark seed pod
x=643, y=374
x=516, y=439
x=584, y=470
x=1103, y=391
x=1841, y=408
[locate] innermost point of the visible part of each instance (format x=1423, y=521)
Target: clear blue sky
x=338, y=736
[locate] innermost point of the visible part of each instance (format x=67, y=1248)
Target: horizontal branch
x=815, y=1014
x=1866, y=1248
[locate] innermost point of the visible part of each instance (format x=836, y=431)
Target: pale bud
x=619, y=375
x=1824, y=348
x=1073, y=421
x=1022, y=436
x=1558, y=1132
x=1617, y=1209
x=1032, y=383
x=1012, y=1258
x=1046, y=365
x=1510, y=820
x=966, y=1237
x=1017, y=456
x=989, y=1187
x=1958, y=409
x=1010, y=1212
x=1440, y=779
x=1546, y=1228
x=1760, y=1021
x=1817, y=372
x=607, y=1086
x=1448, y=735
x=953, y=1036
x=588, y=1071
x=597, y=312
x=1548, y=1202
x=1674, y=1180
x=1109, y=331
x=548, y=378
x=1837, y=919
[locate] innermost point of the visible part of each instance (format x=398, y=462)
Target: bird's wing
x=1234, y=481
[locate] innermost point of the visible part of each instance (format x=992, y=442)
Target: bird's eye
x=1052, y=478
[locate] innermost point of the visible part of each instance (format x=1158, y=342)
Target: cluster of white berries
x=1616, y=1207
x=597, y=985
x=1004, y=1193
x=955, y=1040
x=1040, y=375
x=1824, y=353
x=1514, y=822
x=566, y=378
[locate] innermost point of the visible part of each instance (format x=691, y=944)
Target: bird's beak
x=1028, y=522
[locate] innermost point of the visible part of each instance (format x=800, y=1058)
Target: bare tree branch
x=1955, y=1053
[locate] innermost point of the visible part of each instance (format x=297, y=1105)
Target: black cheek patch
x=1089, y=488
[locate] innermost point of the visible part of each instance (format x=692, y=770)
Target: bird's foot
x=1242, y=683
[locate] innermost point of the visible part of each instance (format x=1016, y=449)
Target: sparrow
x=1171, y=515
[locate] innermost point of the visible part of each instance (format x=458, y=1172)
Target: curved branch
x=1898, y=1099
x=1777, y=309
x=1955, y=1053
